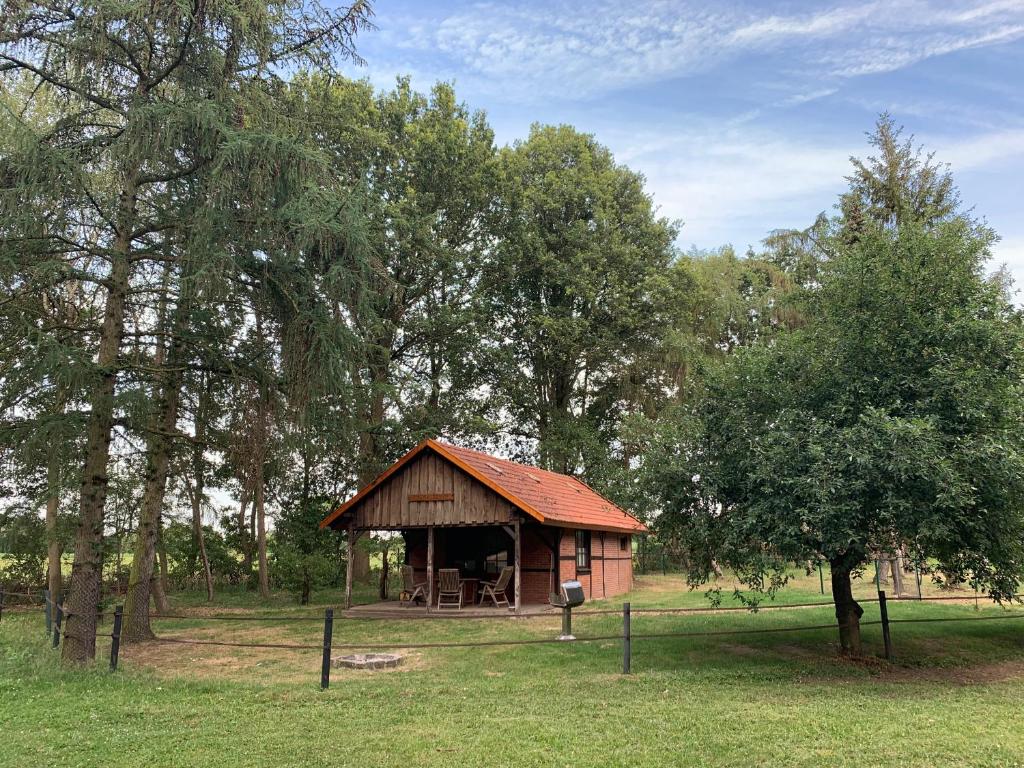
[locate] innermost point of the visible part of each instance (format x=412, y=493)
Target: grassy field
x=953, y=695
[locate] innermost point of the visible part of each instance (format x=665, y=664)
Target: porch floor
x=393, y=609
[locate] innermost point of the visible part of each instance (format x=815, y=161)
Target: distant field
x=953, y=696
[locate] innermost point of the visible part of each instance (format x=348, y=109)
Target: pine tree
x=154, y=100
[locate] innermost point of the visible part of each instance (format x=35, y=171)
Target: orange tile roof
x=549, y=497
x=559, y=498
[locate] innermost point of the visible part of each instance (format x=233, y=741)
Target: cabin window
x=582, y=550
x=623, y=543
x=494, y=563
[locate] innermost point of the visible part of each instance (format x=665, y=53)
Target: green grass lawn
x=954, y=694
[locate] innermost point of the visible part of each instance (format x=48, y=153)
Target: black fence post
x=325, y=665
x=47, y=611
x=56, y=625
x=627, y=640
x=886, y=638
x=115, y=638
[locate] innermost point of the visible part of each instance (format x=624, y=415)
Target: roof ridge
x=519, y=464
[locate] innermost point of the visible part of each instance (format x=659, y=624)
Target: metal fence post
x=886, y=638
x=115, y=638
x=566, y=624
x=325, y=665
x=627, y=640
x=47, y=611
x=56, y=625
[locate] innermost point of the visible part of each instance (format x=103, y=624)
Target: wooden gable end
x=429, y=490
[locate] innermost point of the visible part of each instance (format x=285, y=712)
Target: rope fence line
x=952, y=619
x=55, y=614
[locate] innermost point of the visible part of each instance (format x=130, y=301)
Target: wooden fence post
x=56, y=625
x=47, y=611
x=886, y=638
x=115, y=638
x=627, y=640
x=325, y=664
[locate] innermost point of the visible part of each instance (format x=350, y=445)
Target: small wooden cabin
x=459, y=508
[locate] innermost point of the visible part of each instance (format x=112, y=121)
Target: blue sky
x=742, y=115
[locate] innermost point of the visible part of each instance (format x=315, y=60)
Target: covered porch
x=478, y=552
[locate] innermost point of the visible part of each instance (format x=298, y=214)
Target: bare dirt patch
x=178, y=660
x=976, y=674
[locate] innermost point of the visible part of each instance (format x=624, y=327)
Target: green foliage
x=891, y=419
x=580, y=294
x=186, y=568
x=23, y=544
x=304, y=556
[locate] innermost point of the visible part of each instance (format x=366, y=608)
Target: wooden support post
x=627, y=640
x=350, y=550
x=325, y=662
x=430, y=566
x=115, y=638
x=558, y=562
x=56, y=625
x=516, y=525
x=821, y=577
x=886, y=639
x=47, y=611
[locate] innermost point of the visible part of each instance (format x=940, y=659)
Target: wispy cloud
x=726, y=186
x=537, y=50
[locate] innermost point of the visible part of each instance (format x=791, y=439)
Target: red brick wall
x=611, y=567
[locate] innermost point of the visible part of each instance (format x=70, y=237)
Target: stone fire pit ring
x=367, y=660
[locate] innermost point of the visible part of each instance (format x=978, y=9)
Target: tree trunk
x=245, y=541
x=158, y=458
x=848, y=610
x=895, y=568
x=199, y=485
x=307, y=588
x=384, y=570
x=261, y=534
x=136, y=605
x=161, y=581
x=83, y=601
x=53, y=548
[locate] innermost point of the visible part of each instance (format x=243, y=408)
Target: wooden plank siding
x=430, y=491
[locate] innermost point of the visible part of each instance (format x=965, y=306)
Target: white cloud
x=526, y=51
x=733, y=186
x=1010, y=252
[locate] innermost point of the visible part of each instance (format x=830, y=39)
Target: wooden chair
x=449, y=588
x=415, y=590
x=495, y=590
